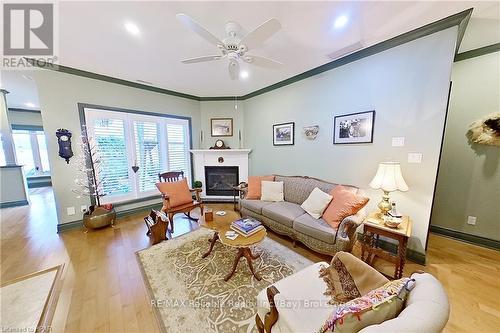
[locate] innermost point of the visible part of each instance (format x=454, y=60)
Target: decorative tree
x=90, y=179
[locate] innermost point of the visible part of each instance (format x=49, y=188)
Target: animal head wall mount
x=486, y=130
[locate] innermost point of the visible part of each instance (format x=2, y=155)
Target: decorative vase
x=99, y=217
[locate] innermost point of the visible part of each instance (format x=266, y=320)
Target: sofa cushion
x=297, y=189
x=254, y=205
x=302, y=306
x=255, y=186
x=316, y=203
x=283, y=212
x=272, y=191
x=343, y=204
x=318, y=229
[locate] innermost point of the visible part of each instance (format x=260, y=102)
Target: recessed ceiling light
x=340, y=21
x=30, y=105
x=243, y=74
x=132, y=28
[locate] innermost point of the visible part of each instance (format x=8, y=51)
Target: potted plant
x=90, y=184
x=197, y=184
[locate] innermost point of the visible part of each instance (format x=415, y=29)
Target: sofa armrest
x=348, y=226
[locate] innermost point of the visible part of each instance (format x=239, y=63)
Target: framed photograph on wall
x=221, y=126
x=284, y=134
x=354, y=128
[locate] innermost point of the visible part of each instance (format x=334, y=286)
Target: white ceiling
x=92, y=37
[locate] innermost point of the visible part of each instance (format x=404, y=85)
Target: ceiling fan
x=234, y=47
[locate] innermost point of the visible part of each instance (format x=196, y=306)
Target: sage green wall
x=469, y=174
x=221, y=109
x=406, y=85
x=59, y=94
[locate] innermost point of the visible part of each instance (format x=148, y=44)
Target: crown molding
x=460, y=19
x=477, y=52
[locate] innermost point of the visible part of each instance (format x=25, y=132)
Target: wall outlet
x=83, y=208
x=415, y=157
x=70, y=210
x=471, y=220
x=398, y=141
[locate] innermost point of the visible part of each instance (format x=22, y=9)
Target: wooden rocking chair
x=174, y=176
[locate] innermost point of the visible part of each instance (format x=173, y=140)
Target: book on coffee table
x=244, y=233
x=247, y=224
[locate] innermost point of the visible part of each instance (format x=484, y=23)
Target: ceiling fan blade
x=201, y=59
x=234, y=69
x=261, y=33
x=262, y=61
x=196, y=27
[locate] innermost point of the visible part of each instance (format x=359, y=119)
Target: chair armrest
x=272, y=316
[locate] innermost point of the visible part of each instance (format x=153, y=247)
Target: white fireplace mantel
x=219, y=157
x=220, y=151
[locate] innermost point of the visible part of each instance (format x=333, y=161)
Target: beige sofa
x=288, y=218
x=299, y=306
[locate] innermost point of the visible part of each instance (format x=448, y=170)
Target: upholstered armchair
x=178, y=198
x=300, y=302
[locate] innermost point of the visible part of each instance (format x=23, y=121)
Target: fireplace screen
x=219, y=180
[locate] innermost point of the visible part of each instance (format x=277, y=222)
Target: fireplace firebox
x=220, y=179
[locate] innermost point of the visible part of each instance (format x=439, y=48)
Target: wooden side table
x=374, y=227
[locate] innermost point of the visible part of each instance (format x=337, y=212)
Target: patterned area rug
x=189, y=294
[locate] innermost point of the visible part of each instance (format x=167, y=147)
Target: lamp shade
x=389, y=178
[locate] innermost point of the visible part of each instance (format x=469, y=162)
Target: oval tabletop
x=221, y=224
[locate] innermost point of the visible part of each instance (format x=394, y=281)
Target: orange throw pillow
x=255, y=186
x=178, y=192
x=343, y=204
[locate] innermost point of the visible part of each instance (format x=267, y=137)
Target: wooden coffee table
x=220, y=225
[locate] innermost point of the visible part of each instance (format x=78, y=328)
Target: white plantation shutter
x=154, y=143
x=147, y=150
x=109, y=138
x=178, y=148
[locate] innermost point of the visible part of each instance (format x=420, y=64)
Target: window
x=154, y=144
x=31, y=152
x=109, y=139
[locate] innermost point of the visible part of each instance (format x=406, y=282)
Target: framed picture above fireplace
x=221, y=126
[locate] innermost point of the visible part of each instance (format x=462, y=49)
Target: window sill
x=138, y=200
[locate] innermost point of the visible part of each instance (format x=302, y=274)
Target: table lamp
x=388, y=179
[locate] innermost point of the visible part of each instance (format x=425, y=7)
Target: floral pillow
x=374, y=308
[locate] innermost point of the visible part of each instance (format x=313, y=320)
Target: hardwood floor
x=103, y=290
